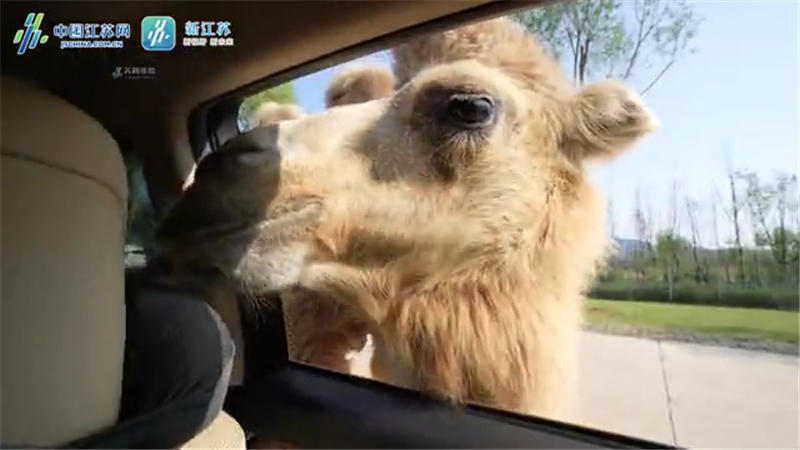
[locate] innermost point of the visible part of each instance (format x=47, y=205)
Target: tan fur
x=351, y=85
x=321, y=332
x=359, y=84
x=271, y=112
x=464, y=251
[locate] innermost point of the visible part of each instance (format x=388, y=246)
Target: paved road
x=689, y=395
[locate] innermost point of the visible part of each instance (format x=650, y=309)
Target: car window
x=139, y=240
x=690, y=331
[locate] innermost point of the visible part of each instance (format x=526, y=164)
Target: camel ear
x=606, y=119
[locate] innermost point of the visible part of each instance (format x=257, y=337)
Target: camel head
x=477, y=158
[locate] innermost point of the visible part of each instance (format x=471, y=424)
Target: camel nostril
x=471, y=111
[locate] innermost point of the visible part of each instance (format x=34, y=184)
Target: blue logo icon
x=31, y=36
x=158, y=33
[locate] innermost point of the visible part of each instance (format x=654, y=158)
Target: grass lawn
x=781, y=326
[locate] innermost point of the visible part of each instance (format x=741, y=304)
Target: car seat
x=64, y=198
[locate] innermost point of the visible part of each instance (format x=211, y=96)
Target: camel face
x=278, y=194
x=476, y=157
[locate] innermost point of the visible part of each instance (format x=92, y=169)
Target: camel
x=272, y=112
x=455, y=221
x=359, y=84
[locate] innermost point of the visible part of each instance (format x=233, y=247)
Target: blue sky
x=736, y=98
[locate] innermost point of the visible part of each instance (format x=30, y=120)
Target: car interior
x=66, y=125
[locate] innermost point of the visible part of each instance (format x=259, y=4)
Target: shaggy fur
x=270, y=112
x=463, y=246
x=340, y=344
x=359, y=84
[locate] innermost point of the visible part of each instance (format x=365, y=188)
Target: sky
x=736, y=99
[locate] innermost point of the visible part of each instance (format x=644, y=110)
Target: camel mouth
x=274, y=224
x=246, y=252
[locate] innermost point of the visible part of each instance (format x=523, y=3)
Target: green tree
x=772, y=206
x=616, y=38
x=279, y=94
x=671, y=249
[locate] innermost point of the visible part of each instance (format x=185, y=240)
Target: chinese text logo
x=158, y=33
x=207, y=33
x=31, y=36
x=92, y=35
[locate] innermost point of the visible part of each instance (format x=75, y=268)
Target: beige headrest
x=64, y=201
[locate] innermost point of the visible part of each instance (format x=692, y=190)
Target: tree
x=616, y=38
x=734, y=215
x=670, y=246
x=643, y=255
x=279, y=94
x=700, y=269
x=784, y=239
x=715, y=199
x=758, y=200
x=770, y=206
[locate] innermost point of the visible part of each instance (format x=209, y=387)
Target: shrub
x=784, y=298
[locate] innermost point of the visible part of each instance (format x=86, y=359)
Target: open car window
x=569, y=226
x=699, y=297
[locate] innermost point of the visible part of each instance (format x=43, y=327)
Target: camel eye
x=445, y=110
x=470, y=111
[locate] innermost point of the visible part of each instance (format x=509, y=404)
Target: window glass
x=690, y=332
x=139, y=242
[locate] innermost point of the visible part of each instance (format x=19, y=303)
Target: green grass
x=773, y=325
